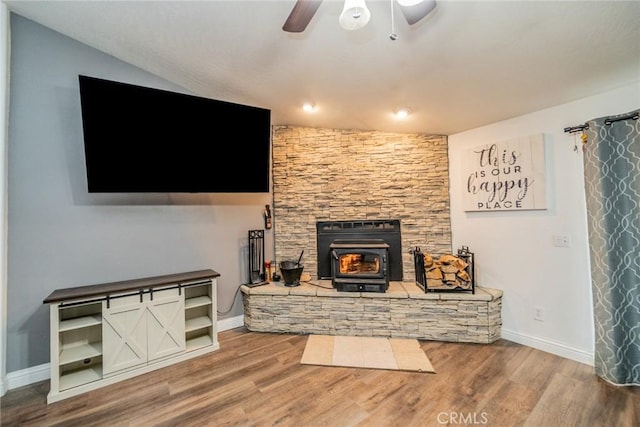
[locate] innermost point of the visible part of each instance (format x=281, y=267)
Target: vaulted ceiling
x=467, y=64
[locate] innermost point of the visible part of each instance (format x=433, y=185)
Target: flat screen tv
x=145, y=140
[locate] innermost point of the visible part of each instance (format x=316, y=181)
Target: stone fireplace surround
x=342, y=175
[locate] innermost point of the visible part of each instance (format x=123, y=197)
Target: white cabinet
x=101, y=334
x=141, y=328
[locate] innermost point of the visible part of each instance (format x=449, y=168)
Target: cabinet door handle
x=141, y=293
x=151, y=294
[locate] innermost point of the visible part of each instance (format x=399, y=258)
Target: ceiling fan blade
x=301, y=15
x=414, y=13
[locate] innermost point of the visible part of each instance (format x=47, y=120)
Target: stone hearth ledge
x=404, y=311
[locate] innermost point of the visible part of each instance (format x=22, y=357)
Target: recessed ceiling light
x=309, y=107
x=402, y=113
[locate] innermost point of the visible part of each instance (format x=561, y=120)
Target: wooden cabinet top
x=103, y=289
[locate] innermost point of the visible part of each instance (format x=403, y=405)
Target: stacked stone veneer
x=340, y=175
x=404, y=311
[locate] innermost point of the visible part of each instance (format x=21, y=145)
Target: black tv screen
x=139, y=139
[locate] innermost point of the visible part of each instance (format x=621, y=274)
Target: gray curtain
x=612, y=183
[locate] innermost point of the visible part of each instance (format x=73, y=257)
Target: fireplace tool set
x=257, y=271
x=261, y=271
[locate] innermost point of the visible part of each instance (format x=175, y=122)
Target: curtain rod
x=579, y=128
x=607, y=121
x=633, y=116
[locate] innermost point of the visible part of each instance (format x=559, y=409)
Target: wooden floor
x=255, y=379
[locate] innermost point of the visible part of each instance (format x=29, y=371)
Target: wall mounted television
x=145, y=140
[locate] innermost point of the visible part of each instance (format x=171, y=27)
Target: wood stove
x=387, y=230
x=360, y=265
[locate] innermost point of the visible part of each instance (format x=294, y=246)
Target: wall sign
x=506, y=175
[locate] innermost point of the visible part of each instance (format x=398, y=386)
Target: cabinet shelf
x=197, y=323
x=199, y=342
x=80, y=322
x=80, y=377
x=197, y=302
x=80, y=352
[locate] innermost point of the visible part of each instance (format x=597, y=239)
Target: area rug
x=366, y=352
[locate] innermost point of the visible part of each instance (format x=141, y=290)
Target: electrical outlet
x=561, y=240
x=538, y=314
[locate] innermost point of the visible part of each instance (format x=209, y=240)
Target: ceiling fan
x=355, y=14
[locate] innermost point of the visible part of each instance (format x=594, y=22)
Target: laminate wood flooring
x=256, y=379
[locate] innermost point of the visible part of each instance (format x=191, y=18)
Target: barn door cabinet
x=105, y=333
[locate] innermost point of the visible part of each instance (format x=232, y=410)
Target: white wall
x=514, y=250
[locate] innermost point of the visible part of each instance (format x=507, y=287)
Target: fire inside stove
x=360, y=265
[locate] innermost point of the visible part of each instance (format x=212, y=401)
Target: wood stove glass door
x=359, y=263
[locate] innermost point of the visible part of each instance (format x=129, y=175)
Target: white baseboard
x=230, y=323
x=28, y=376
x=42, y=372
x=549, y=346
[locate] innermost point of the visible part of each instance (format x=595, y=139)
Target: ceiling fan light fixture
x=409, y=2
x=355, y=15
x=415, y=10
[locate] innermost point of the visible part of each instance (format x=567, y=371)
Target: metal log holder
x=468, y=257
x=256, y=258
x=421, y=277
x=418, y=261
